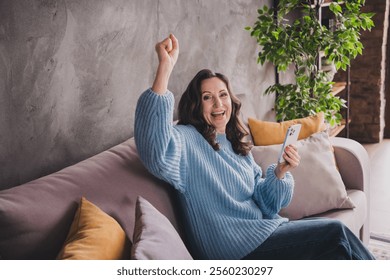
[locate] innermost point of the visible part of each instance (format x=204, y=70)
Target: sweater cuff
x=287, y=179
x=150, y=90
x=153, y=97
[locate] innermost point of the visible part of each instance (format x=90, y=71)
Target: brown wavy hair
x=190, y=112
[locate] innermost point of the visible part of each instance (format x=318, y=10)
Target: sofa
x=36, y=218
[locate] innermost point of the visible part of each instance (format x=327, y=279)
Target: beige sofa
x=354, y=166
x=35, y=217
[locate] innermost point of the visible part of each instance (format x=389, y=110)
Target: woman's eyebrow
x=206, y=91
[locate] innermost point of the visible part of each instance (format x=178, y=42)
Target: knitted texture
x=229, y=208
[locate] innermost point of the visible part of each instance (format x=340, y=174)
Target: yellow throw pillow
x=270, y=133
x=94, y=235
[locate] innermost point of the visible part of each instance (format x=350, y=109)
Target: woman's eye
x=206, y=97
x=224, y=94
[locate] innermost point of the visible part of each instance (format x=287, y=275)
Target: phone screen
x=290, y=138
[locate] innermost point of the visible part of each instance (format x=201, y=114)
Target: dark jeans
x=311, y=239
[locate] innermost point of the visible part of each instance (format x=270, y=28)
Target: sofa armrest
x=354, y=166
x=353, y=163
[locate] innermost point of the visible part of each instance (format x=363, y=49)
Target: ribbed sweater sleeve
x=272, y=193
x=158, y=143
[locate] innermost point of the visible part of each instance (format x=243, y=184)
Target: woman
x=230, y=210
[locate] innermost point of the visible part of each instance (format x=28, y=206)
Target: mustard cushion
x=94, y=235
x=270, y=133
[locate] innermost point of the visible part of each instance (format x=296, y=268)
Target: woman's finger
x=292, y=156
x=175, y=42
x=168, y=44
x=165, y=44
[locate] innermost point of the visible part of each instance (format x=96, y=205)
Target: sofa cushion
x=35, y=217
x=154, y=236
x=318, y=184
x=354, y=218
x=270, y=133
x=94, y=235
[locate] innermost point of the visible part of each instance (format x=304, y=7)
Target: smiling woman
x=216, y=103
x=210, y=106
x=229, y=207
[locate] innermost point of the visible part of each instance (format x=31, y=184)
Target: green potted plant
x=300, y=42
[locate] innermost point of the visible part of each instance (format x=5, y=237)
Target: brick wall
x=387, y=86
x=367, y=99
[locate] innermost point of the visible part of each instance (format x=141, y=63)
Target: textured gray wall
x=71, y=71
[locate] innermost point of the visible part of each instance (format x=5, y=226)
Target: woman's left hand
x=292, y=160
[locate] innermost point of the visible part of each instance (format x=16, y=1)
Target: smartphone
x=290, y=138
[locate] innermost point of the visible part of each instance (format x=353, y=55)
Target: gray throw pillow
x=154, y=236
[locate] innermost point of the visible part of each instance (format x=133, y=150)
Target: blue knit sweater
x=229, y=208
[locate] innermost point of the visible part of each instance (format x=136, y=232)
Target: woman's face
x=216, y=103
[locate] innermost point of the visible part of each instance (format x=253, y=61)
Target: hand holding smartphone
x=290, y=138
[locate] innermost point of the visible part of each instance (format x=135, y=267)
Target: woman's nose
x=217, y=103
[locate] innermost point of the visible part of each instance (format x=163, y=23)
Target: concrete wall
x=71, y=71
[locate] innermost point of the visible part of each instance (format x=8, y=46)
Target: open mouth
x=218, y=114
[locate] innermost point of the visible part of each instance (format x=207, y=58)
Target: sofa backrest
x=35, y=217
